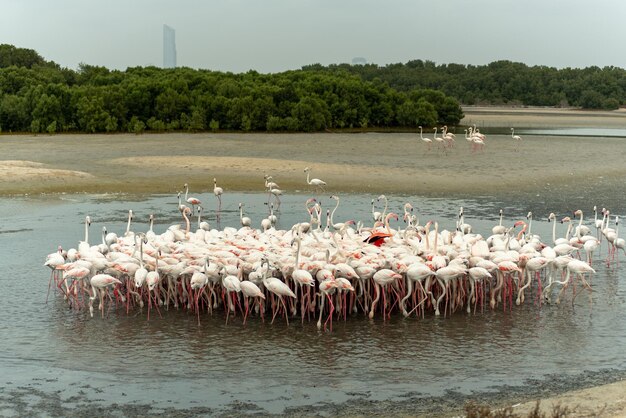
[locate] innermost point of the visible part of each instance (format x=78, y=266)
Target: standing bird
x=278, y=288
x=217, y=191
x=191, y=200
x=378, y=237
x=250, y=290
x=245, y=221
x=314, y=182
x=100, y=283
x=427, y=141
x=517, y=138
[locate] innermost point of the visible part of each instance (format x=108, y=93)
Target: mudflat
x=347, y=162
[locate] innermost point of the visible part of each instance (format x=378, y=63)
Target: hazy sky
x=277, y=35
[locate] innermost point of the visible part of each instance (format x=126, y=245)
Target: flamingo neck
x=569, y=230
x=128, y=223
x=385, y=208
x=187, y=225
x=298, y=243
x=333, y=212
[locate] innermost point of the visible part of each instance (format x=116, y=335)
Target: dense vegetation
x=501, y=82
x=39, y=96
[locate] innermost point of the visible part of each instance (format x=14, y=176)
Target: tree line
x=501, y=82
x=39, y=96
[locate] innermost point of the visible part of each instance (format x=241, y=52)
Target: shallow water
x=172, y=362
x=597, y=132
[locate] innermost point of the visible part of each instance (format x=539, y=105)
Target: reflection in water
x=174, y=358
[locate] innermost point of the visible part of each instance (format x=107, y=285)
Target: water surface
x=172, y=362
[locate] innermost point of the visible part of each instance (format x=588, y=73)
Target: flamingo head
x=578, y=212
x=566, y=219
x=518, y=223
x=551, y=216
x=529, y=216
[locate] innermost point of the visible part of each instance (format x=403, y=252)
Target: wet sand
x=368, y=162
x=537, y=117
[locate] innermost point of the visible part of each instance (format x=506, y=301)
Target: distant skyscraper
x=169, y=47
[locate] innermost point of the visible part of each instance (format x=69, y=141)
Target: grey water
x=174, y=362
x=595, y=132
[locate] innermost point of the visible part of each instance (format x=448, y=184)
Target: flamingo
x=618, y=243
x=327, y=287
x=581, y=229
x=378, y=237
x=448, y=136
x=244, y=220
x=314, y=182
x=269, y=182
x=141, y=273
x=202, y=225
x=279, y=288
x=339, y=226
x=153, y=278
x=439, y=140
x=517, y=138
x=499, y=229
x=231, y=285
x=417, y=273
x=579, y=268
x=250, y=290
x=191, y=200
x=300, y=276
x=382, y=278
x=218, y=191
x=100, y=284
x=427, y=141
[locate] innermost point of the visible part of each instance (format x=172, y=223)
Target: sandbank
x=349, y=162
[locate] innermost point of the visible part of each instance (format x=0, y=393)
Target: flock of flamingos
x=474, y=138
x=321, y=270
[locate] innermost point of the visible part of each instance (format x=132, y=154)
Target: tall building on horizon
x=169, y=47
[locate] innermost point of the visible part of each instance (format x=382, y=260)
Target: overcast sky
x=277, y=35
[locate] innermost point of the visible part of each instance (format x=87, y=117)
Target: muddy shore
x=367, y=162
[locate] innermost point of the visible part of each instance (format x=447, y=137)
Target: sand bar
x=364, y=162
